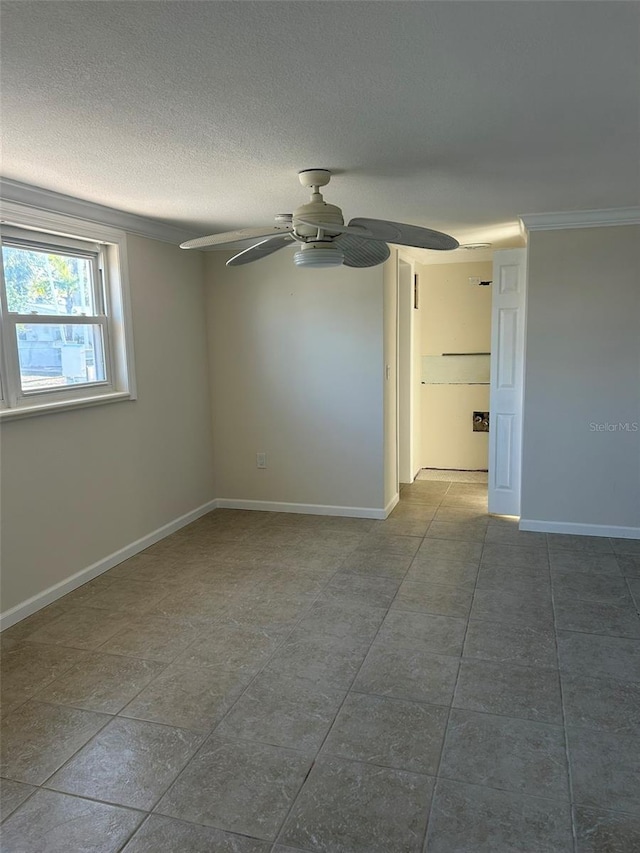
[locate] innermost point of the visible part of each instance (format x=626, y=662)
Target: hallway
x=272, y=683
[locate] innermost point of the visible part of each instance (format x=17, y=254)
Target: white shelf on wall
x=471, y=368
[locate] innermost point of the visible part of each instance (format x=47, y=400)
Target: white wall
x=79, y=485
x=455, y=317
x=296, y=361
x=582, y=369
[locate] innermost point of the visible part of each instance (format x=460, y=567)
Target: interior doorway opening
x=444, y=343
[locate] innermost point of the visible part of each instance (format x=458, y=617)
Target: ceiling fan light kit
x=318, y=256
x=325, y=241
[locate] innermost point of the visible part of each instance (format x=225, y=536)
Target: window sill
x=30, y=411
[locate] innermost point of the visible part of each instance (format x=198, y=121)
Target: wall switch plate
x=261, y=460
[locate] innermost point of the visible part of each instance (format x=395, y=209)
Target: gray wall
x=583, y=373
x=79, y=485
x=295, y=360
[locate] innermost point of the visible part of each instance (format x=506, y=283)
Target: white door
x=507, y=377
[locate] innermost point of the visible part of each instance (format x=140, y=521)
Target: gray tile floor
x=264, y=683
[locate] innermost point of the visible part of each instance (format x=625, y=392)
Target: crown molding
x=42, y=199
x=580, y=219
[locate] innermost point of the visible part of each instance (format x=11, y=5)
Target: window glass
x=41, y=282
x=58, y=355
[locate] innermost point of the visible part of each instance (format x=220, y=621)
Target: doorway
x=444, y=340
x=460, y=357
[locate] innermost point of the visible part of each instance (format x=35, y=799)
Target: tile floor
x=264, y=683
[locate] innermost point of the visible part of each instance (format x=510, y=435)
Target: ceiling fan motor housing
x=316, y=211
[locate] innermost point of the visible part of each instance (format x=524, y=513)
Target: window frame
x=108, y=246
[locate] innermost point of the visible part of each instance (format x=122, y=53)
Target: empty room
x=320, y=426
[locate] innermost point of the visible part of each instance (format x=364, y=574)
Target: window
x=66, y=339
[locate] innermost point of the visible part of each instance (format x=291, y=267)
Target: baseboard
x=580, y=529
x=37, y=602
x=393, y=503
x=304, y=509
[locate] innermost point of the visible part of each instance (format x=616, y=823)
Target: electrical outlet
x=261, y=460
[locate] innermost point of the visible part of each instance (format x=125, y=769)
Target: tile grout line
x=211, y=731
x=268, y=522
x=41, y=785
x=635, y=600
x=117, y=715
x=167, y=663
x=348, y=693
x=143, y=812
x=204, y=734
x=453, y=697
x=574, y=835
x=208, y=733
x=26, y=800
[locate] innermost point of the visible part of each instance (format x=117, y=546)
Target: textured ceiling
x=455, y=115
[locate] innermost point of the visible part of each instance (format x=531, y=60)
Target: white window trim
x=120, y=343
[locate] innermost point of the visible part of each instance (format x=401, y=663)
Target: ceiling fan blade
x=236, y=236
x=331, y=227
x=362, y=252
x=406, y=235
x=260, y=250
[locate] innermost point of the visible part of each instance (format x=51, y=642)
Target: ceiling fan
x=324, y=240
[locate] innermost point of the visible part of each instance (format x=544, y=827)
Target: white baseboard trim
x=303, y=509
x=37, y=602
x=580, y=529
x=393, y=503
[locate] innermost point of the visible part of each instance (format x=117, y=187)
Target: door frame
x=505, y=456
x=407, y=466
